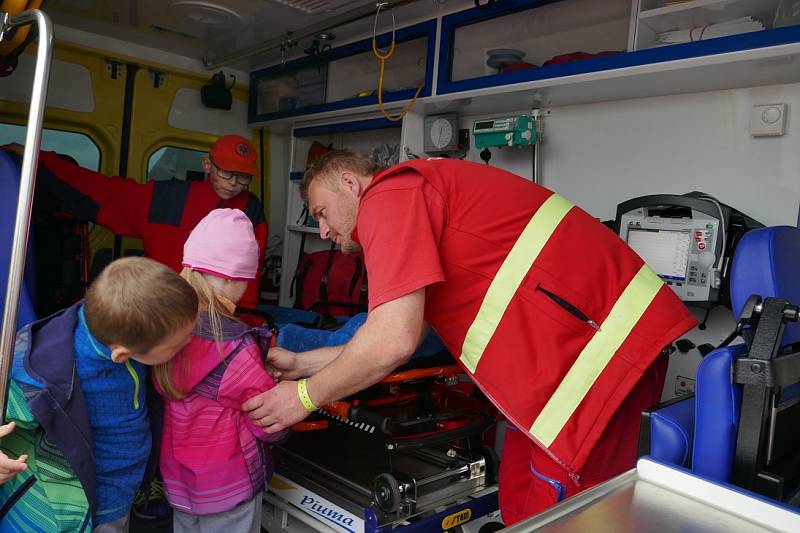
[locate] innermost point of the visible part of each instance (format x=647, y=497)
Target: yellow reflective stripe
x=626, y=312
x=511, y=273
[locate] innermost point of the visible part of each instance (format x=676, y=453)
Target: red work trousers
x=530, y=481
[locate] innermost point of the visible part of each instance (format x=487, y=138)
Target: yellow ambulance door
x=171, y=131
x=83, y=117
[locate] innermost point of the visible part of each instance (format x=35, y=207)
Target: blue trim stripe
x=425, y=29
x=344, y=127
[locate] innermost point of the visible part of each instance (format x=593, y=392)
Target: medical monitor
x=679, y=238
x=665, y=250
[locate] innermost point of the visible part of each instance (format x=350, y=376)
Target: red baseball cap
x=234, y=153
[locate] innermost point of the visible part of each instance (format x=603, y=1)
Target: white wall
x=600, y=154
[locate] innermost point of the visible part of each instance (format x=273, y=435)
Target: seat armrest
x=667, y=430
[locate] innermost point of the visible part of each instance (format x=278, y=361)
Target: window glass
x=169, y=162
x=76, y=145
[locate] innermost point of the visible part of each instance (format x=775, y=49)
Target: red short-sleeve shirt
x=400, y=224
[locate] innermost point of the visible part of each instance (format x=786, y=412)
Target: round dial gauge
x=441, y=133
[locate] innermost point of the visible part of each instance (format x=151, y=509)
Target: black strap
x=356, y=276
x=323, y=282
x=363, y=299
x=299, y=281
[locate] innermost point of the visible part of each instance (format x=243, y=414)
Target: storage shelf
x=703, y=12
x=302, y=229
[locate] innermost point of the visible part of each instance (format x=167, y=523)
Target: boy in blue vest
x=77, y=396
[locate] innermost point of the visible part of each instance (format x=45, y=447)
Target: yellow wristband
x=305, y=399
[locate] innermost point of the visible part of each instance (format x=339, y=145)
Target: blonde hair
x=215, y=309
x=327, y=166
x=136, y=302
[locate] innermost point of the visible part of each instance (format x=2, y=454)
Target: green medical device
x=506, y=131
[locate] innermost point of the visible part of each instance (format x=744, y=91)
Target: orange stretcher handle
x=418, y=373
x=341, y=409
x=310, y=425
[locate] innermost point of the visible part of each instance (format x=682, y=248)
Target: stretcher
x=406, y=454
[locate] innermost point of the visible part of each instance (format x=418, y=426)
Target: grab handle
x=30, y=160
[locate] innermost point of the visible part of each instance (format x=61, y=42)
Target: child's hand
x=10, y=467
x=282, y=364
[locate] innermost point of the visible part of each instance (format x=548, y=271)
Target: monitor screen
x=665, y=251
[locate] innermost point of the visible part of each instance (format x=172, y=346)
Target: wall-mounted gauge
x=441, y=134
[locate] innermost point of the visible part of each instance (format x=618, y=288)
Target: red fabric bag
x=331, y=283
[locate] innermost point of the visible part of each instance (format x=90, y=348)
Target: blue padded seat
x=766, y=263
x=9, y=184
x=717, y=405
x=671, y=432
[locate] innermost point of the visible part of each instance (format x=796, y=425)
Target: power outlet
x=683, y=386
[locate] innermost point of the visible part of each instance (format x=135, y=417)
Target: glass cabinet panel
x=291, y=89
x=357, y=75
x=666, y=22
x=346, y=76
x=548, y=34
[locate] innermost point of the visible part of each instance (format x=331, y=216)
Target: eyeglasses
x=241, y=179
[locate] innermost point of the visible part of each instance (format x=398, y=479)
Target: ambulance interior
x=668, y=120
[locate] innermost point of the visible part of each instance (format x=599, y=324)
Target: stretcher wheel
x=386, y=493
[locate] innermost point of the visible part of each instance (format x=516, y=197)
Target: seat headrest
x=767, y=263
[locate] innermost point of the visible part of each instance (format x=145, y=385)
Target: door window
x=78, y=146
x=170, y=162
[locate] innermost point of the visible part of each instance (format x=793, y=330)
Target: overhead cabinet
x=497, y=56
x=345, y=77
x=484, y=45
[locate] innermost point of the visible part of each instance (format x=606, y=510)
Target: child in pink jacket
x=214, y=460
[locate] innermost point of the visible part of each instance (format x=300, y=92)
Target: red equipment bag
x=331, y=283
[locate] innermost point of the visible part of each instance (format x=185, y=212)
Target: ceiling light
x=312, y=7
x=206, y=14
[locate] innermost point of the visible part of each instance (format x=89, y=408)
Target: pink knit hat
x=223, y=244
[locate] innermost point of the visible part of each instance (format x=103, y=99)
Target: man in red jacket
x=161, y=213
x=552, y=315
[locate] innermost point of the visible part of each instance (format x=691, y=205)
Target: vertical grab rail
x=30, y=160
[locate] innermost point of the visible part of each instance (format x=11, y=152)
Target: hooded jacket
x=161, y=213
x=57, y=492
x=213, y=457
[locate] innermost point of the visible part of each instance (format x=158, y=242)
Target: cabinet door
x=346, y=76
x=662, y=23
x=514, y=36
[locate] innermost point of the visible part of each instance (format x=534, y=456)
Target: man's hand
x=10, y=467
x=13, y=147
x=282, y=364
x=276, y=409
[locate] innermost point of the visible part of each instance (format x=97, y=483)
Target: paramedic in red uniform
x=555, y=318
x=161, y=213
